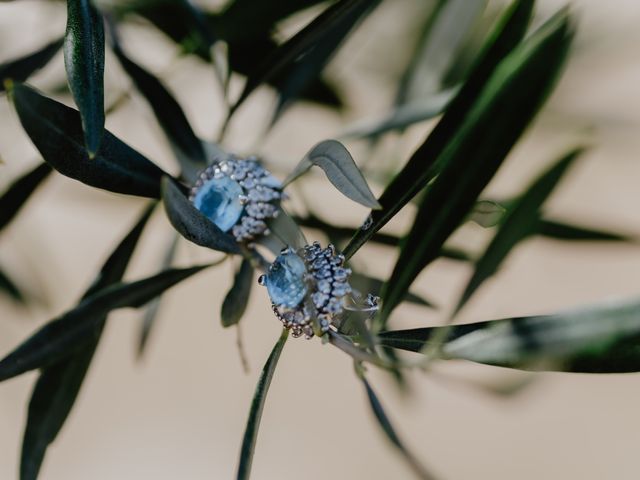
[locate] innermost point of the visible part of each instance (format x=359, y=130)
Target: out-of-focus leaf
x=84, y=61
x=151, y=313
x=598, y=339
x=341, y=170
x=74, y=329
x=301, y=44
x=425, y=163
x=58, y=386
x=487, y=213
x=56, y=132
x=402, y=116
x=235, y=303
x=518, y=224
x=564, y=231
x=510, y=101
x=169, y=114
x=442, y=38
x=366, y=284
x=310, y=64
x=389, y=431
x=10, y=288
x=19, y=192
x=180, y=20
x=191, y=223
x=20, y=69
x=257, y=406
x=284, y=228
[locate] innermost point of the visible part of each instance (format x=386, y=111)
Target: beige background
x=180, y=412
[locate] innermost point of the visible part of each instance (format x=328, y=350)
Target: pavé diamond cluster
x=238, y=195
x=306, y=285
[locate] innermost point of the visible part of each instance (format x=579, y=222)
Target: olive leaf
x=286, y=230
x=598, y=339
x=56, y=131
x=518, y=224
x=20, y=69
x=19, y=192
x=341, y=170
x=390, y=432
x=235, y=302
x=168, y=112
x=84, y=62
x=426, y=163
x=257, y=406
x=74, y=329
x=10, y=288
x=191, y=223
x=514, y=94
x=58, y=385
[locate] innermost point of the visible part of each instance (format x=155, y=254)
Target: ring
x=310, y=284
x=238, y=195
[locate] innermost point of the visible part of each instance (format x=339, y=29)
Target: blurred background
x=180, y=410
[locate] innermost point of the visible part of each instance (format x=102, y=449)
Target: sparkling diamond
x=285, y=280
x=218, y=199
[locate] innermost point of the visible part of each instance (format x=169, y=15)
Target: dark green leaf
x=19, y=192
x=169, y=114
x=285, y=229
x=564, y=231
x=237, y=298
x=366, y=284
x=58, y=386
x=511, y=99
x=192, y=224
x=10, y=288
x=84, y=61
x=301, y=44
x=599, y=339
x=20, y=69
x=518, y=224
x=257, y=406
x=341, y=170
x=56, y=132
x=425, y=163
x=76, y=328
x=152, y=310
x=389, y=431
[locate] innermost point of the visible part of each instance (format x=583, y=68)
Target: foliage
x=483, y=113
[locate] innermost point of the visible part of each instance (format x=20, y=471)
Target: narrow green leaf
x=603, y=338
x=300, y=45
x=510, y=101
x=151, y=313
x=56, y=132
x=341, y=170
x=389, y=431
x=564, y=231
x=519, y=223
x=168, y=112
x=84, y=62
x=285, y=229
x=366, y=284
x=257, y=406
x=425, y=163
x=236, y=300
x=10, y=288
x=309, y=65
x=191, y=223
x=19, y=69
x=58, y=385
x=19, y=192
x=76, y=328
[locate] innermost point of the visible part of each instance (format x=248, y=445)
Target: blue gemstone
x=219, y=200
x=285, y=280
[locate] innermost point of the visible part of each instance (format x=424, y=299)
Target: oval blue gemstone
x=219, y=200
x=285, y=280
